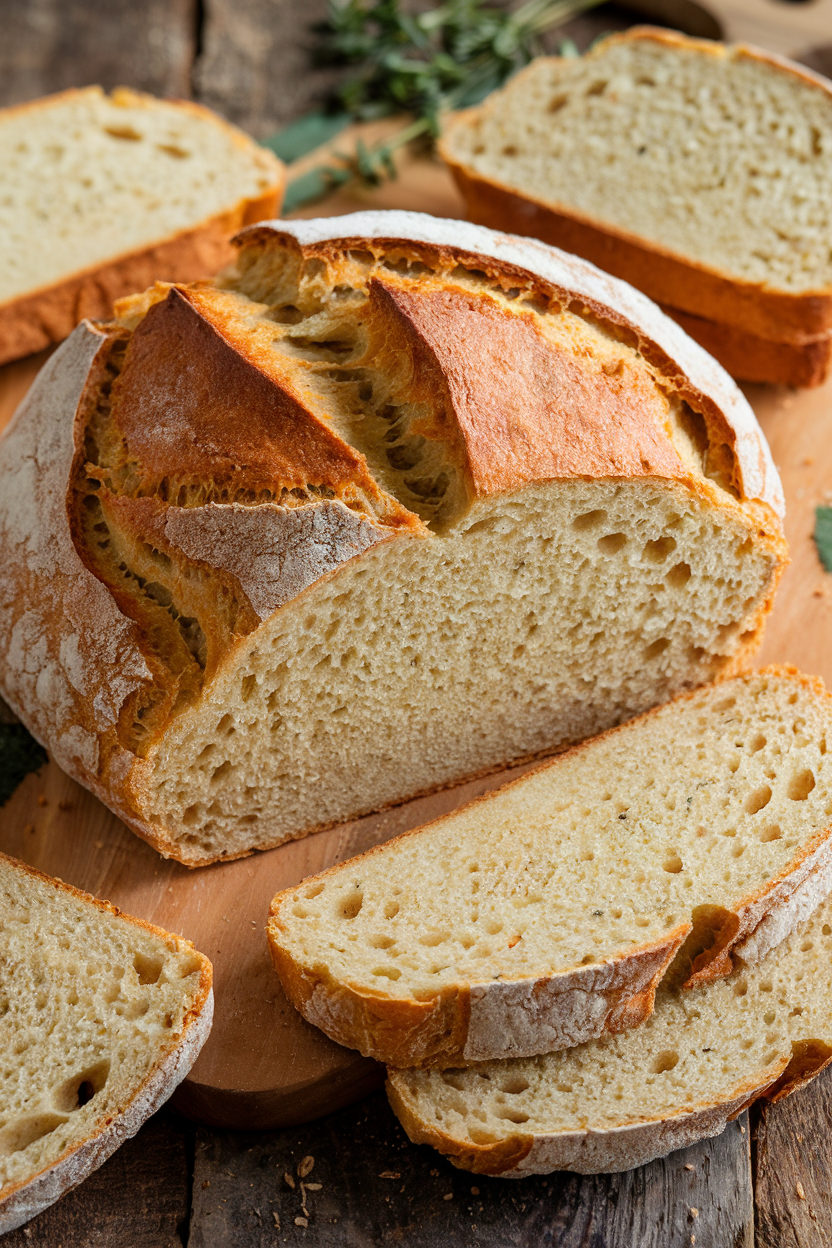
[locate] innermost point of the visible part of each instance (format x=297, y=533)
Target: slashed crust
x=467, y=1023
x=24, y=1200
x=666, y=276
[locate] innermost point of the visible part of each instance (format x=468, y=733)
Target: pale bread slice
x=547, y=913
x=620, y=1101
x=101, y=1016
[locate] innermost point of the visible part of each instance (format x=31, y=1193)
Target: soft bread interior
x=125, y=171
x=90, y=1005
x=490, y=617
x=687, y=145
x=677, y=821
x=700, y=1050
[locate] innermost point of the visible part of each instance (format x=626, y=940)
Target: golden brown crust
x=748, y=357
x=668, y=278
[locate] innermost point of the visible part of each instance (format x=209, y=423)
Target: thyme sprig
x=424, y=64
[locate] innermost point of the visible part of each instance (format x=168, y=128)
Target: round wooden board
x=263, y=1066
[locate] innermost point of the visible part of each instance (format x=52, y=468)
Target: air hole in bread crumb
x=22, y=1132
x=757, y=800
x=431, y=939
x=589, y=520
x=387, y=972
x=511, y=1115
x=391, y=910
x=123, y=132
x=678, y=576
x=672, y=863
x=513, y=1085
x=658, y=550
x=801, y=785
x=79, y=1090
x=772, y=832
x=148, y=967
x=740, y=988
x=612, y=543
x=756, y=743
x=656, y=648
x=665, y=1061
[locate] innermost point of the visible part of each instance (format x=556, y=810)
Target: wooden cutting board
x=263, y=1066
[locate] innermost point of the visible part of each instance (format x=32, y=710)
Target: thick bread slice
x=103, y=194
x=620, y=1101
x=747, y=357
x=397, y=502
x=698, y=172
x=547, y=913
x=101, y=1016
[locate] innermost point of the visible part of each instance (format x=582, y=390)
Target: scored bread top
x=349, y=386
x=101, y=1016
x=547, y=913
x=620, y=1101
x=698, y=171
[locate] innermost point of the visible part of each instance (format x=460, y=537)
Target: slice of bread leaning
x=397, y=502
x=101, y=1016
x=703, y=1057
x=547, y=913
x=660, y=158
x=103, y=194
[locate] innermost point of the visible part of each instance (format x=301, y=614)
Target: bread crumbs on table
x=305, y=1167
x=799, y=1189
x=301, y=1222
x=287, y=1178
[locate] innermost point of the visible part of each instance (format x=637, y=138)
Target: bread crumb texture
x=679, y=826
x=376, y=516
x=622, y=1100
x=125, y=171
x=714, y=153
x=91, y=1005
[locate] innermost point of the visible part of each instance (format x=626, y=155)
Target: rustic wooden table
x=352, y=1178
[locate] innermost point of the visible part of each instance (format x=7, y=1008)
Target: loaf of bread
x=103, y=194
x=698, y=172
x=703, y=1057
x=101, y=1016
x=399, y=501
x=547, y=913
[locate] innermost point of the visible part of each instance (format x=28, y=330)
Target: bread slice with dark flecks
x=547, y=913
x=620, y=1101
x=101, y=1016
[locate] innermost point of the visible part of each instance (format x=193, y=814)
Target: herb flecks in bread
x=620, y=1101
x=374, y=513
x=101, y=1016
x=547, y=913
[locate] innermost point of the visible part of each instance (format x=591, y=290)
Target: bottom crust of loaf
x=747, y=357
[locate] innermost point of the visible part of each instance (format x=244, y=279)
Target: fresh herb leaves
x=823, y=535
x=19, y=754
x=449, y=57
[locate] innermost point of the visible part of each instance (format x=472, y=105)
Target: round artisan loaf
x=548, y=912
x=101, y=1016
x=619, y=1101
x=396, y=502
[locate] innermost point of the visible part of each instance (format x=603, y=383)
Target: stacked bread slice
x=101, y=1016
x=643, y=867
x=698, y=172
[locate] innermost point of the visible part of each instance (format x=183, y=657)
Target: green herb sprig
x=424, y=64
x=823, y=536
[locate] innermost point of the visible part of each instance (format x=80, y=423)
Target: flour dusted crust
x=37, y=318
x=755, y=308
x=249, y=499
x=22, y=1201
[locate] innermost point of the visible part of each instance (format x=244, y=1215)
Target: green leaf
x=568, y=48
x=19, y=754
x=313, y=185
x=823, y=535
x=305, y=134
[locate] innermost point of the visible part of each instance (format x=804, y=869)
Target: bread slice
x=103, y=194
x=696, y=171
x=620, y=1101
x=547, y=913
x=748, y=357
x=101, y=1016
x=397, y=502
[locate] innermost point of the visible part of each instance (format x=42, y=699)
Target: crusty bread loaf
x=398, y=502
x=103, y=194
x=617, y=1102
x=747, y=357
x=101, y=1016
x=698, y=172
x=547, y=913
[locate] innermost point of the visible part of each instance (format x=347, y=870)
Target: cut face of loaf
x=618, y=1102
x=547, y=913
x=104, y=193
x=699, y=172
x=101, y=1016
x=399, y=502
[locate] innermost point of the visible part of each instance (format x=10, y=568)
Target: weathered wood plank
x=793, y=1169
x=49, y=45
x=138, y=1199
x=367, y=1186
